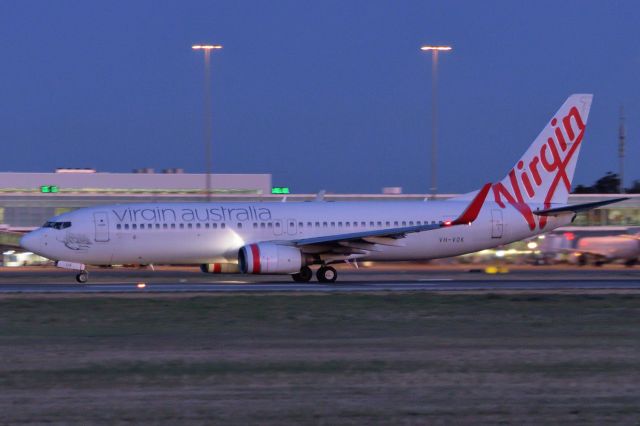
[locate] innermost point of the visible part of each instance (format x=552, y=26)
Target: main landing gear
x=325, y=274
x=304, y=276
x=82, y=277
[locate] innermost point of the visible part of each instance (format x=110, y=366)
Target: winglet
x=473, y=209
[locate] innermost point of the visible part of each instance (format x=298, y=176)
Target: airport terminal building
x=27, y=200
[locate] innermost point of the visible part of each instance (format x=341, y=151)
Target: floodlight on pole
x=208, y=126
x=434, y=112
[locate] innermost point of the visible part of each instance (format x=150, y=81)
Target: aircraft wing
x=357, y=244
x=575, y=208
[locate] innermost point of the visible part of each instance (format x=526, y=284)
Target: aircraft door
x=497, y=225
x=101, y=221
x=292, y=227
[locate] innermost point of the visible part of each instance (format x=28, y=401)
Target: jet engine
x=269, y=258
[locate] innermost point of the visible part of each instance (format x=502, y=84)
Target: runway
x=188, y=280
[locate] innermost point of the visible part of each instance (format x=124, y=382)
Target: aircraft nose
x=30, y=242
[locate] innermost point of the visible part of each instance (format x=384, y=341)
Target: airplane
x=600, y=245
x=606, y=249
x=288, y=238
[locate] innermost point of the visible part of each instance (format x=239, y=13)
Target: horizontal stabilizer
x=575, y=208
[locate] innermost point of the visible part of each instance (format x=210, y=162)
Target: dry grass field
x=320, y=359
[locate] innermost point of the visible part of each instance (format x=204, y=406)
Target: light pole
x=434, y=112
x=208, y=126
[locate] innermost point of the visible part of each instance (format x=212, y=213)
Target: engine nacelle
x=269, y=258
x=220, y=268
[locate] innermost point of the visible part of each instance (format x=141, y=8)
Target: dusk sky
x=328, y=95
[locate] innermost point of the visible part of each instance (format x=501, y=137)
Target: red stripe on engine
x=217, y=268
x=255, y=252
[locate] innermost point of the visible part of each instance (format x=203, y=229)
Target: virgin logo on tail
x=546, y=170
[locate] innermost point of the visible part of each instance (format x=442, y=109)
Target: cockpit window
x=57, y=225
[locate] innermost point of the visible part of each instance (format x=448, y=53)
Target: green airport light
x=49, y=189
x=280, y=190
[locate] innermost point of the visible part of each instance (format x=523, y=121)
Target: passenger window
x=347, y=224
x=126, y=226
x=255, y=225
x=410, y=223
x=301, y=224
x=198, y=225
x=355, y=224
x=134, y=226
x=181, y=226
x=157, y=226
x=317, y=224
x=118, y=226
x=380, y=223
x=292, y=224
x=173, y=226
x=418, y=223
x=309, y=224
x=223, y=225
x=239, y=225
x=206, y=225
x=164, y=225
x=333, y=224
x=262, y=225
x=142, y=226
x=404, y=223
x=339, y=224
x=324, y=224
x=189, y=225
x=214, y=225
x=270, y=225
x=363, y=224
x=277, y=224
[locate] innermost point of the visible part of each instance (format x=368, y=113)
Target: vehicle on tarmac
x=289, y=238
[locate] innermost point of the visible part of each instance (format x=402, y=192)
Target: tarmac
x=397, y=277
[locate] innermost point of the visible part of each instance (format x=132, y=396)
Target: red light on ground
x=570, y=236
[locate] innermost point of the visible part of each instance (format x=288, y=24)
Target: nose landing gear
x=82, y=277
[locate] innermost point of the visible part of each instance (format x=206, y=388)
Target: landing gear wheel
x=304, y=276
x=82, y=277
x=327, y=274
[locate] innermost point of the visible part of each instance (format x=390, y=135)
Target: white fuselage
x=192, y=233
